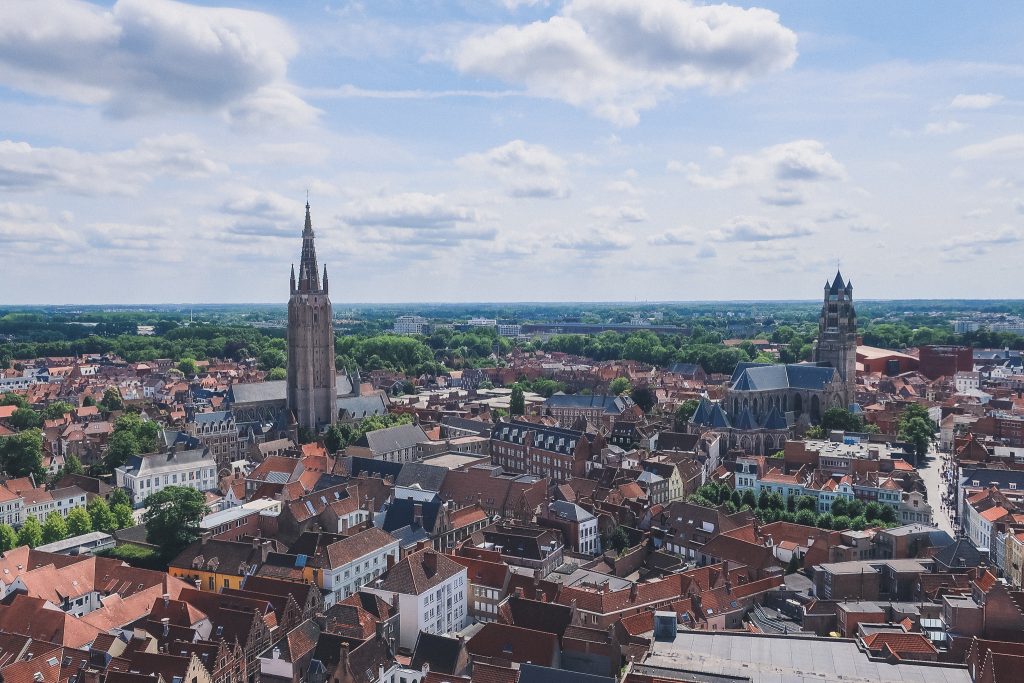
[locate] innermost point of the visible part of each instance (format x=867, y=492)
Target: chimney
x=167, y=599
x=165, y=623
x=430, y=561
x=417, y=514
x=276, y=653
x=343, y=661
x=390, y=560
x=519, y=592
x=199, y=584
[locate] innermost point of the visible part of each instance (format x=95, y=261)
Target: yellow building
x=211, y=565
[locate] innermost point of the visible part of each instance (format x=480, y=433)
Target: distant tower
x=837, y=334
x=312, y=393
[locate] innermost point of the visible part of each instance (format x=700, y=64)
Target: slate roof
x=612, y=405
x=259, y=392
x=746, y=420
x=401, y=513
x=392, y=439
x=429, y=477
x=570, y=511
x=554, y=439
x=765, y=377
x=714, y=416
x=375, y=467
x=210, y=418
x=774, y=419
x=440, y=652
x=358, y=407
x=158, y=462
x=961, y=548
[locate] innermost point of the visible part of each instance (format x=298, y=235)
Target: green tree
x=272, y=358
x=619, y=540
x=764, y=500
x=517, y=404
x=188, y=367
x=123, y=517
x=22, y=454
x=100, y=515
x=618, y=386
x=873, y=511
x=826, y=521
x=806, y=517
x=54, y=528
x=12, y=399
x=841, y=419
x=684, y=412
x=644, y=397
x=25, y=418
x=122, y=445
x=807, y=503
x=111, y=400
x=57, y=410
x=79, y=522
x=794, y=564
x=815, y=432
x=276, y=375
x=172, y=518
x=334, y=439
x=749, y=499
x=30, y=533
x=916, y=427
x=8, y=538
x=839, y=506
x=858, y=523
x=840, y=522
x=72, y=465
x=119, y=497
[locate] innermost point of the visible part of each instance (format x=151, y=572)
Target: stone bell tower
x=312, y=392
x=837, y=334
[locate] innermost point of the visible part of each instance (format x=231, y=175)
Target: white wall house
x=431, y=590
x=144, y=475
x=356, y=561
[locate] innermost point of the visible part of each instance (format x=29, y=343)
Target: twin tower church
x=763, y=403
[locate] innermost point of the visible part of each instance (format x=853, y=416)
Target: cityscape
x=365, y=342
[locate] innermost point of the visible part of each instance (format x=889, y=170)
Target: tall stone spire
x=311, y=377
x=309, y=278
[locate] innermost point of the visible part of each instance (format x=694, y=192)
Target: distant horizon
x=498, y=302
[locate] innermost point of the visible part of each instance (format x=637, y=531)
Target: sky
x=154, y=151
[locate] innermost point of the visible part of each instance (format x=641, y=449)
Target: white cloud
x=1006, y=147
x=945, y=127
x=617, y=58
x=983, y=101
x=628, y=213
x=984, y=239
x=756, y=229
x=1018, y=206
x=789, y=162
x=144, y=56
x=24, y=167
x=594, y=241
x=414, y=210
x=26, y=228
x=674, y=237
x=526, y=170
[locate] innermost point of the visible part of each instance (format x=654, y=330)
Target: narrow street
x=931, y=473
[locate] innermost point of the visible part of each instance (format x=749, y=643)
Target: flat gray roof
x=782, y=659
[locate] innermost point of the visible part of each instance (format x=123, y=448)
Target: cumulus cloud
x=617, y=58
x=413, y=210
x=593, y=241
x=25, y=227
x=967, y=246
x=981, y=101
x=756, y=229
x=945, y=127
x=526, y=170
x=790, y=162
x=24, y=167
x=674, y=237
x=628, y=213
x=1006, y=147
x=143, y=56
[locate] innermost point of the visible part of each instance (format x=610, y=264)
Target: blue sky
x=159, y=151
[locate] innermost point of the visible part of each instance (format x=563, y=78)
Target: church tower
x=836, y=344
x=312, y=393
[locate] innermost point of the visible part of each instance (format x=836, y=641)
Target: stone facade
x=837, y=335
x=312, y=391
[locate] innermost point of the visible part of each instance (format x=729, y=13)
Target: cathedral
x=764, y=403
x=312, y=379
